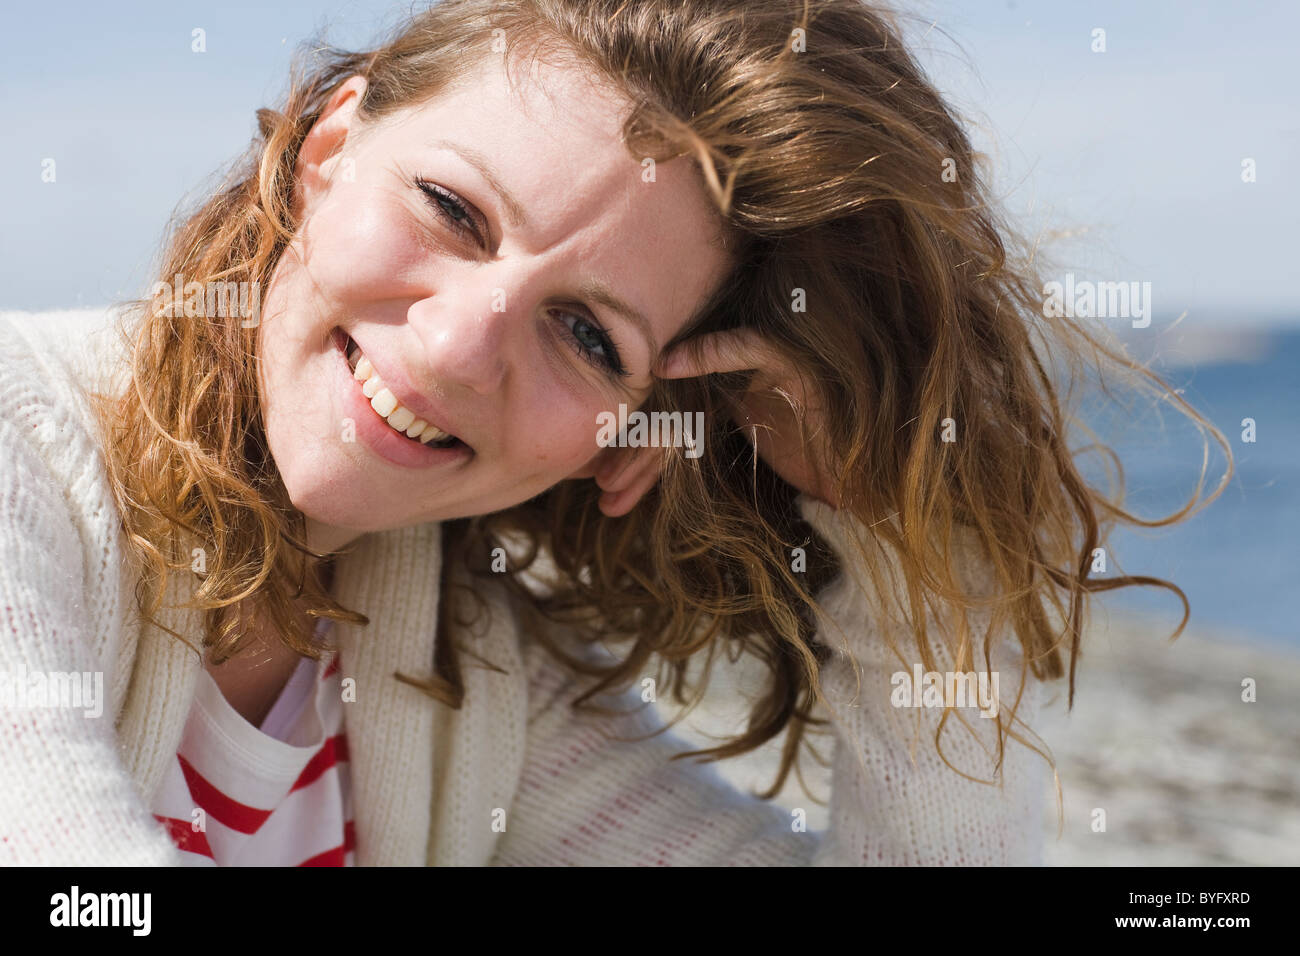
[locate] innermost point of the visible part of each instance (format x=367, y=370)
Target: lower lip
x=378, y=435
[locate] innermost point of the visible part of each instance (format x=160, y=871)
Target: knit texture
x=515, y=776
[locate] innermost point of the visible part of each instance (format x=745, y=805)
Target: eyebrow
x=592, y=289
x=514, y=210
x=600, y=293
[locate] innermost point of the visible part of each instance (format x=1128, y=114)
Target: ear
x=319, y=155
x=624, y=475
x=596, y=462
x=632, y=483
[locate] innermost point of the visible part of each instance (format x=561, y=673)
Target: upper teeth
x=387, y=406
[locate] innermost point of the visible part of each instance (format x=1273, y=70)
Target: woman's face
x=479, y=297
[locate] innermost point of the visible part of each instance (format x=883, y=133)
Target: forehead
x=552, y=135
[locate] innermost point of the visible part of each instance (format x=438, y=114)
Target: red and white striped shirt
x=278, y=795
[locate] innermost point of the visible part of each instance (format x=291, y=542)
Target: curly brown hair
x=823, y=145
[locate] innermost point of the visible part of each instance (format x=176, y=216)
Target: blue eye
x=591, y=340
x=450, y=208
x=593, y=343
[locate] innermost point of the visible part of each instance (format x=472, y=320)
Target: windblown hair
x=824, y=148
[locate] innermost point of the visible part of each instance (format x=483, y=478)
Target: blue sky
x=1135, y=153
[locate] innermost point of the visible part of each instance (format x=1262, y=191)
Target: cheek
x=555, y=434
x=363, y=243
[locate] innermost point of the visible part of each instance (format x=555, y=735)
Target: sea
x=1238, y=559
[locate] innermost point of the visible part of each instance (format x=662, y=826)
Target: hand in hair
x=771, y=412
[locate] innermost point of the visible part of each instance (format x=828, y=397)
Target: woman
x=387, y=550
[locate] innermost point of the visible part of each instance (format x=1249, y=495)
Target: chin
x=316, y=492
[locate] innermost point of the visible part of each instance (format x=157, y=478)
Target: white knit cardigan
x=514, y=777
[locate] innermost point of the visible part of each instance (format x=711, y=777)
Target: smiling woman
x=474, y=244
x=457, y=268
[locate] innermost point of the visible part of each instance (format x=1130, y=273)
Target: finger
x=735, y=350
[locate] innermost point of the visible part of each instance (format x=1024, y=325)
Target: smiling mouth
x=398, y=417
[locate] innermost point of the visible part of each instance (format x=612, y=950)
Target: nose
x=466, y=335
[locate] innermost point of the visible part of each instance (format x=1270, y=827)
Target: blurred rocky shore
x=1160, y=738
